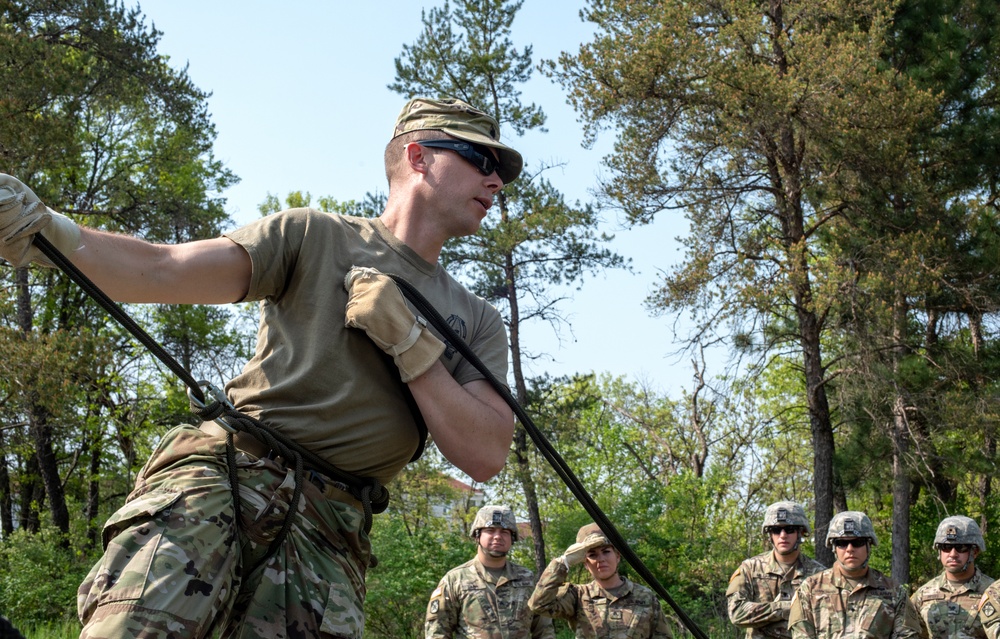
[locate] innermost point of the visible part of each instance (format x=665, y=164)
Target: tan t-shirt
x=327, y=386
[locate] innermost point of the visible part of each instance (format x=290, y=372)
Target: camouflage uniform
x=595, y=613
x=467, y=603
x=826, y=606
x=175, y=547
x=948, y=608
x=761, y=590
x=989, y=611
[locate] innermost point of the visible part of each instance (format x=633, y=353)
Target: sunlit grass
x=65, y=630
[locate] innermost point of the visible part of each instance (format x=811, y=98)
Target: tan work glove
x=577, y=552
x=375, y=305
x=21, y=216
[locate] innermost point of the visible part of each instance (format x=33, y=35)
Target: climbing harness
x=371, y=493
x=215, y=407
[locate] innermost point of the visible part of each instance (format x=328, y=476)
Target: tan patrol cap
x=592, y=531
x=464, y=122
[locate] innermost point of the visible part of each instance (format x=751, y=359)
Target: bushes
x=39, y=578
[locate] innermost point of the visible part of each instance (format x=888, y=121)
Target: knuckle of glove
x=21, y=213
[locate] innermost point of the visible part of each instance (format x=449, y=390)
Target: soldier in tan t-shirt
x=177, y=554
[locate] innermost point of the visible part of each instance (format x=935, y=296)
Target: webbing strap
x=555, y=460
x=369, y=492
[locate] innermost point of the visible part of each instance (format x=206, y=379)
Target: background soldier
x=487, y=597
x=760, y=591
x=610, y=606
x=948, y=603
x=851, y=599
x=989, y=611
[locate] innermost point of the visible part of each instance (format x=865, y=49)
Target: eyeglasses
x=475, y=154
x=958, y=547
x=788, y=530
x=855, y=543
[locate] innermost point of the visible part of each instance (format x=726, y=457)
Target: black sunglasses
x=856, y=543
x=475, y=154
x=958, y=547
x=788, y=530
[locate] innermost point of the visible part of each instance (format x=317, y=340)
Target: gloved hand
x=21, y=216
x=375, y=305
x=577, y=552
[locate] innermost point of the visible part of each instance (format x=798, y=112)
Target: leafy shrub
x=39, y=578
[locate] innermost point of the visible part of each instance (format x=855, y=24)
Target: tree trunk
x=986, y=484
x=900, y=496
x=822, y=434
x=31, y=498
x=6, y=509
x=39, y=427
x=521, y=453
x=48, y=468
x=93, y=497
x=900, y=450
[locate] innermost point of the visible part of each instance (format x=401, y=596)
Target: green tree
x=102, y=128
x=537, y=241
x=410, y=564
x=739, y=114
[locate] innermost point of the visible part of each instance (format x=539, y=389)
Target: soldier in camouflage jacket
x=610, y=606
x=487, y=597
x=989, y=611
x=851, y=600
x=949, y=603
x=760, y=591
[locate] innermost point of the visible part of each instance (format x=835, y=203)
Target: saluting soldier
x=609, y=607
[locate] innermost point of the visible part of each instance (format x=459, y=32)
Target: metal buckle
x=216, y=392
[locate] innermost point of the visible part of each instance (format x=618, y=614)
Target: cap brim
x=511, y=162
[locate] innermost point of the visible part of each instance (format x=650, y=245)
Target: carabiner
x=219, y=396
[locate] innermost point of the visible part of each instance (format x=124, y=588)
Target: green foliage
x=371, y=205
x=411, y=562
x=39, y=578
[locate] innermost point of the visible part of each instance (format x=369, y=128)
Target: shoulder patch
x=436, y=593
x=735, y=574
x=988, y=609
x=435, y=606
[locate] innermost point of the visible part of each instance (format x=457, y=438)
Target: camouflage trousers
x=174, y=557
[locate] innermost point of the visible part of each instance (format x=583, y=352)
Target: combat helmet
x=785, y=513
x=850, y=524
x=958, y=529
x=494, y=516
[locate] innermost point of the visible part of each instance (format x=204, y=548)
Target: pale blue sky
x=300, y=103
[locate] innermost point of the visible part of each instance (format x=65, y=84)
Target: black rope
x=555, y=460
x=373, y=496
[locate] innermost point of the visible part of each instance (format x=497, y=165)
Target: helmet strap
x=487, y=551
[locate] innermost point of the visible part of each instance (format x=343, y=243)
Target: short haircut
x=394, y=152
